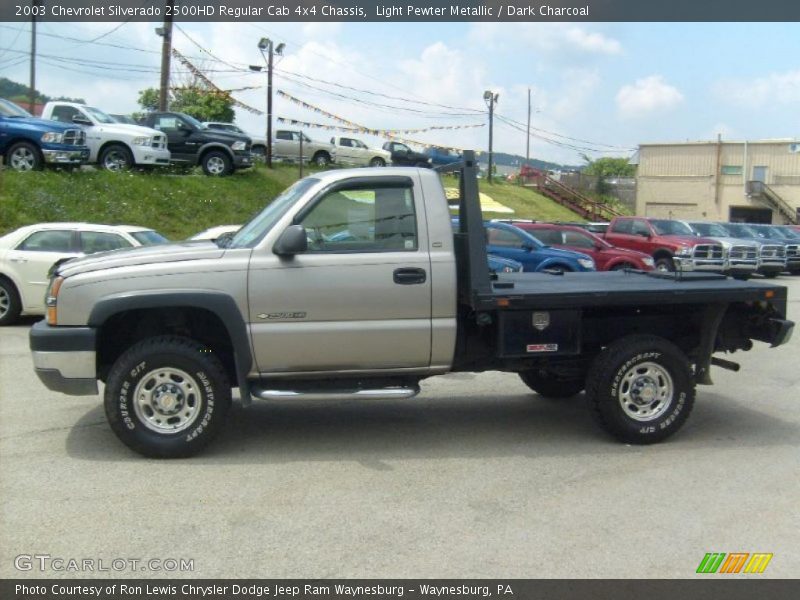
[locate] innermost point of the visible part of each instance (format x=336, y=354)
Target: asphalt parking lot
x=477, y=477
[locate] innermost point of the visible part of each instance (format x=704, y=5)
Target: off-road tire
x=206, y=394
x=610, y=379
x=10, y=304
x=216, y=163
x=549, y=386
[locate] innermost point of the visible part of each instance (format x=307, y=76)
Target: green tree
x=606, y=167
x=202, y=104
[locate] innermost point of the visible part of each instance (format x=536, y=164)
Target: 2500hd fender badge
x=282, y=315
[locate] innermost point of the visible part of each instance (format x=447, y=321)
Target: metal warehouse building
x=758, y=182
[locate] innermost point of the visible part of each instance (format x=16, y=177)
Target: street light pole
x=268, y=50
x=490, y=98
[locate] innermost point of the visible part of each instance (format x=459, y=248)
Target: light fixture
x=263, y=43
x=160, y=31
x=279, y=48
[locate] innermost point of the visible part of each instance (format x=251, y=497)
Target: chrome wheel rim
x=321, y=161
x=115, y=161
x=646, y=391
x=167, y=400
x=22, y=159
x=215, y=165
x=5, y=302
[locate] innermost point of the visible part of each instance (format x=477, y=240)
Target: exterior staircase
x=569, y=197
x=760, y=191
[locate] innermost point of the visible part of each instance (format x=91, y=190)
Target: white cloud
x=647, y=96
x=775, y=88
x=550, y=38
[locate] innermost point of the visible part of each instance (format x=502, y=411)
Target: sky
x=597, y=89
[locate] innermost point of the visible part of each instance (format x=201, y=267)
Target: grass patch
x=181, y=205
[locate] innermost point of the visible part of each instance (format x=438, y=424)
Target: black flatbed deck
x=620, y=288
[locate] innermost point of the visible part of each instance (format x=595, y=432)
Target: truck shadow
x=374, y=432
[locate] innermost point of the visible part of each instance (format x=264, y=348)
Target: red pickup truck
x=672, y=244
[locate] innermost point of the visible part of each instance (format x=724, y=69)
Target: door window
x=573, y=238
x=376, y=219
x=549, y=237
x=166, y=124
x=623, y=226
x=507, y=239
x=640, y=228
x=64, y=114
x=100, y=241
x=48, y=241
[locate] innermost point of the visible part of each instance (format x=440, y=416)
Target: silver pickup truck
x=352, y=284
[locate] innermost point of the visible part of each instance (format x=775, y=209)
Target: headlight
x=238, y=145
x=141, y=141
x=51, y=137
x=649, y=262
x=684, y=251
x=507, y=269
x=586, y=263
x=51, y=300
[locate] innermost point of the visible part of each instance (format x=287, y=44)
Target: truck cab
x=354, y=152
x=113, y=146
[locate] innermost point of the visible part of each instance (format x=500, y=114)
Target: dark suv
x=217, y=152
x=403, y=156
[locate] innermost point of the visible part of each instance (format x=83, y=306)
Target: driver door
x=359, y=299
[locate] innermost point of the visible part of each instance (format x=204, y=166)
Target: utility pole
x=490, y=98
x=528, y=137
x=32, y=84
x=166, y=52
x=268, y=50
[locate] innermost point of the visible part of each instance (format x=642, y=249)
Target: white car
x=213, y=233
x=112, y=145
x=352, y=151
x=27, y=254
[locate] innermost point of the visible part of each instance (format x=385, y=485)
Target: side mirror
x=644, y=234
x=528, y=247
x=293, y=240
x=81, y=120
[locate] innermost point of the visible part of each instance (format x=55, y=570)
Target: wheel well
x=322, y=153
x=222, y=149
x=121, y=330
x=558, y=265
x=113, y=143
x=10, y=144
x=659, y=254
x=13, y=285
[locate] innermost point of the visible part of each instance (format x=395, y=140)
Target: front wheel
x=10, y=304
x=116, y=157
x=217, y=164
x=665, y=265
x=641, y=389
x=24, y=156
x=167, y=397
x=547, y=385
x=622, y=267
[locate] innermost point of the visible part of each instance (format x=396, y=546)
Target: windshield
x=99, y=115
x=710, y=229
x=249, y=235
x=665, y=227
x=192, y=121
x=149, y=238
x=772, y=233
x=741, y=230
x=9, y=109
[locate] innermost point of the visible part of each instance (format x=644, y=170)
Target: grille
x=708, y=252
x=75, y=137
x=744, y=253
x=792, y=251
x=773, y=252
x=159, y=141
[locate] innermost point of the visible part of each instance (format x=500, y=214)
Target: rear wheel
x=641, y=389
x=167, y=397
x=548, y=385
x=10, y=304
x=24, y=156
x=377, y=162
x=322, y=159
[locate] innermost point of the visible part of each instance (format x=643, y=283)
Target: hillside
x=182, y=205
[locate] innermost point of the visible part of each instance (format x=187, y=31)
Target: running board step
x=334, y=394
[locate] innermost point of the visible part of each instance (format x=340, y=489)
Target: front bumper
x=67, y=156
x=687, y=263
x=772, y=267
x=242, y=160
x=147, y=155
x=64, y=358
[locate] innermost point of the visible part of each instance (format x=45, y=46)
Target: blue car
x=512, y=242
x=498, y=264
x=28, y=143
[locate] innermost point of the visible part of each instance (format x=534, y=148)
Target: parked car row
x=737, y=249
